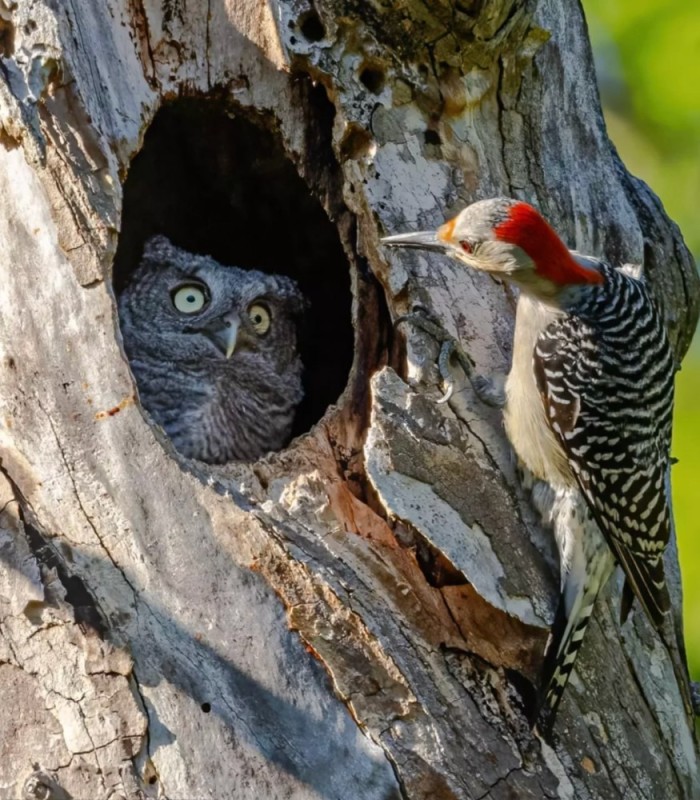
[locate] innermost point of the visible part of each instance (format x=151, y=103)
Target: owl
x=214, y=352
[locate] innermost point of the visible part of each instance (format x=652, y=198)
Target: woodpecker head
x=508, y=239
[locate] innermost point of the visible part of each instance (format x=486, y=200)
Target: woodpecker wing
x=605, y=373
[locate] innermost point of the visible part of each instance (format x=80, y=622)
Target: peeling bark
x=364, y=613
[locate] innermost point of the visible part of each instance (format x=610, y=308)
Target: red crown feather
x=526, y=228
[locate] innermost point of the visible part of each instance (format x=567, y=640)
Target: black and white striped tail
x=573, y=615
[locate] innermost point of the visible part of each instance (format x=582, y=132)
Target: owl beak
x=423, y=240
x=224, y=332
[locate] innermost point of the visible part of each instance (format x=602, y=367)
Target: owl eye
x=260, y=318
x=190, y=298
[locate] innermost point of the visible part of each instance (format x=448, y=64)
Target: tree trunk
x=363, y=614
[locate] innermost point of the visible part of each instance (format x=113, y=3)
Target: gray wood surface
x=357, y=616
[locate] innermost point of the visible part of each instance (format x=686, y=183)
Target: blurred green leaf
x=686, y=475
x=648, y=62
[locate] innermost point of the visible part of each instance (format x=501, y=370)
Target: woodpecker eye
x=466, y=246
x=259, y=316
x=190, y=298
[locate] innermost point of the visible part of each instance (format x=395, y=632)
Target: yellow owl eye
x=189, y=299
x=260, y=318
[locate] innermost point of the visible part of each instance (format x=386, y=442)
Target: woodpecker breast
x=524, y=415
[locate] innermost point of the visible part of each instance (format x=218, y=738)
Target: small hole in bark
x=8, y=142
x=33, y=611
x=311, y=26
x=432, y=137
x=373, y=78
x=218, y=183
x=356, y=142
x=206, y=707
x=7, y=38
x=152, y=780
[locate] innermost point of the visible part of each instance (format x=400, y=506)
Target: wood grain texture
x=356, y=616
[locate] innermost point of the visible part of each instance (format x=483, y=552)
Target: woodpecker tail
x=576, y=606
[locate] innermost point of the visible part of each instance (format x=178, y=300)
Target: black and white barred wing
x=611, y=408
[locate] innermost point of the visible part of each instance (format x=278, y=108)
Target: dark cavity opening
x=311, y=26
x=373, y=78
x=220, y=184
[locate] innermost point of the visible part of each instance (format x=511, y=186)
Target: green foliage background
x=647, y=55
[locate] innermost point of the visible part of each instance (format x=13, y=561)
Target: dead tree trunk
x=361, y=615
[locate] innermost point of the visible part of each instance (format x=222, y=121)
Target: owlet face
x=187, y=308
x=214, y=352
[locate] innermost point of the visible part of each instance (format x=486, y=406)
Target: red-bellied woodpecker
x=589, y=402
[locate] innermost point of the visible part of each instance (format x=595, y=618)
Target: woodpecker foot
x=488, y=391
x=426, y=321
x=451, y=351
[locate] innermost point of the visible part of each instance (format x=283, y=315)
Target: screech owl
x=214, y=352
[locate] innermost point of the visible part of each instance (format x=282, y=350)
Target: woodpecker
x=588, y=409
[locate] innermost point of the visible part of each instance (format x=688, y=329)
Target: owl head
x=184, y=308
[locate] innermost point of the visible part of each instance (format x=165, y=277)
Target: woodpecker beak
x=224, y=332
x=423, y=240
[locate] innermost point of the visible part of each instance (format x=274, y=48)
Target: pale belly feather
x=524, y=415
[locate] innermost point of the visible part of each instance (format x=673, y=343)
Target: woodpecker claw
x=448, y=393
x=450, y=348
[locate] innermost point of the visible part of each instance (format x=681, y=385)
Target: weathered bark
x=359, y=615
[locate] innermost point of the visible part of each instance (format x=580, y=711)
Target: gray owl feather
x=213, y=350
